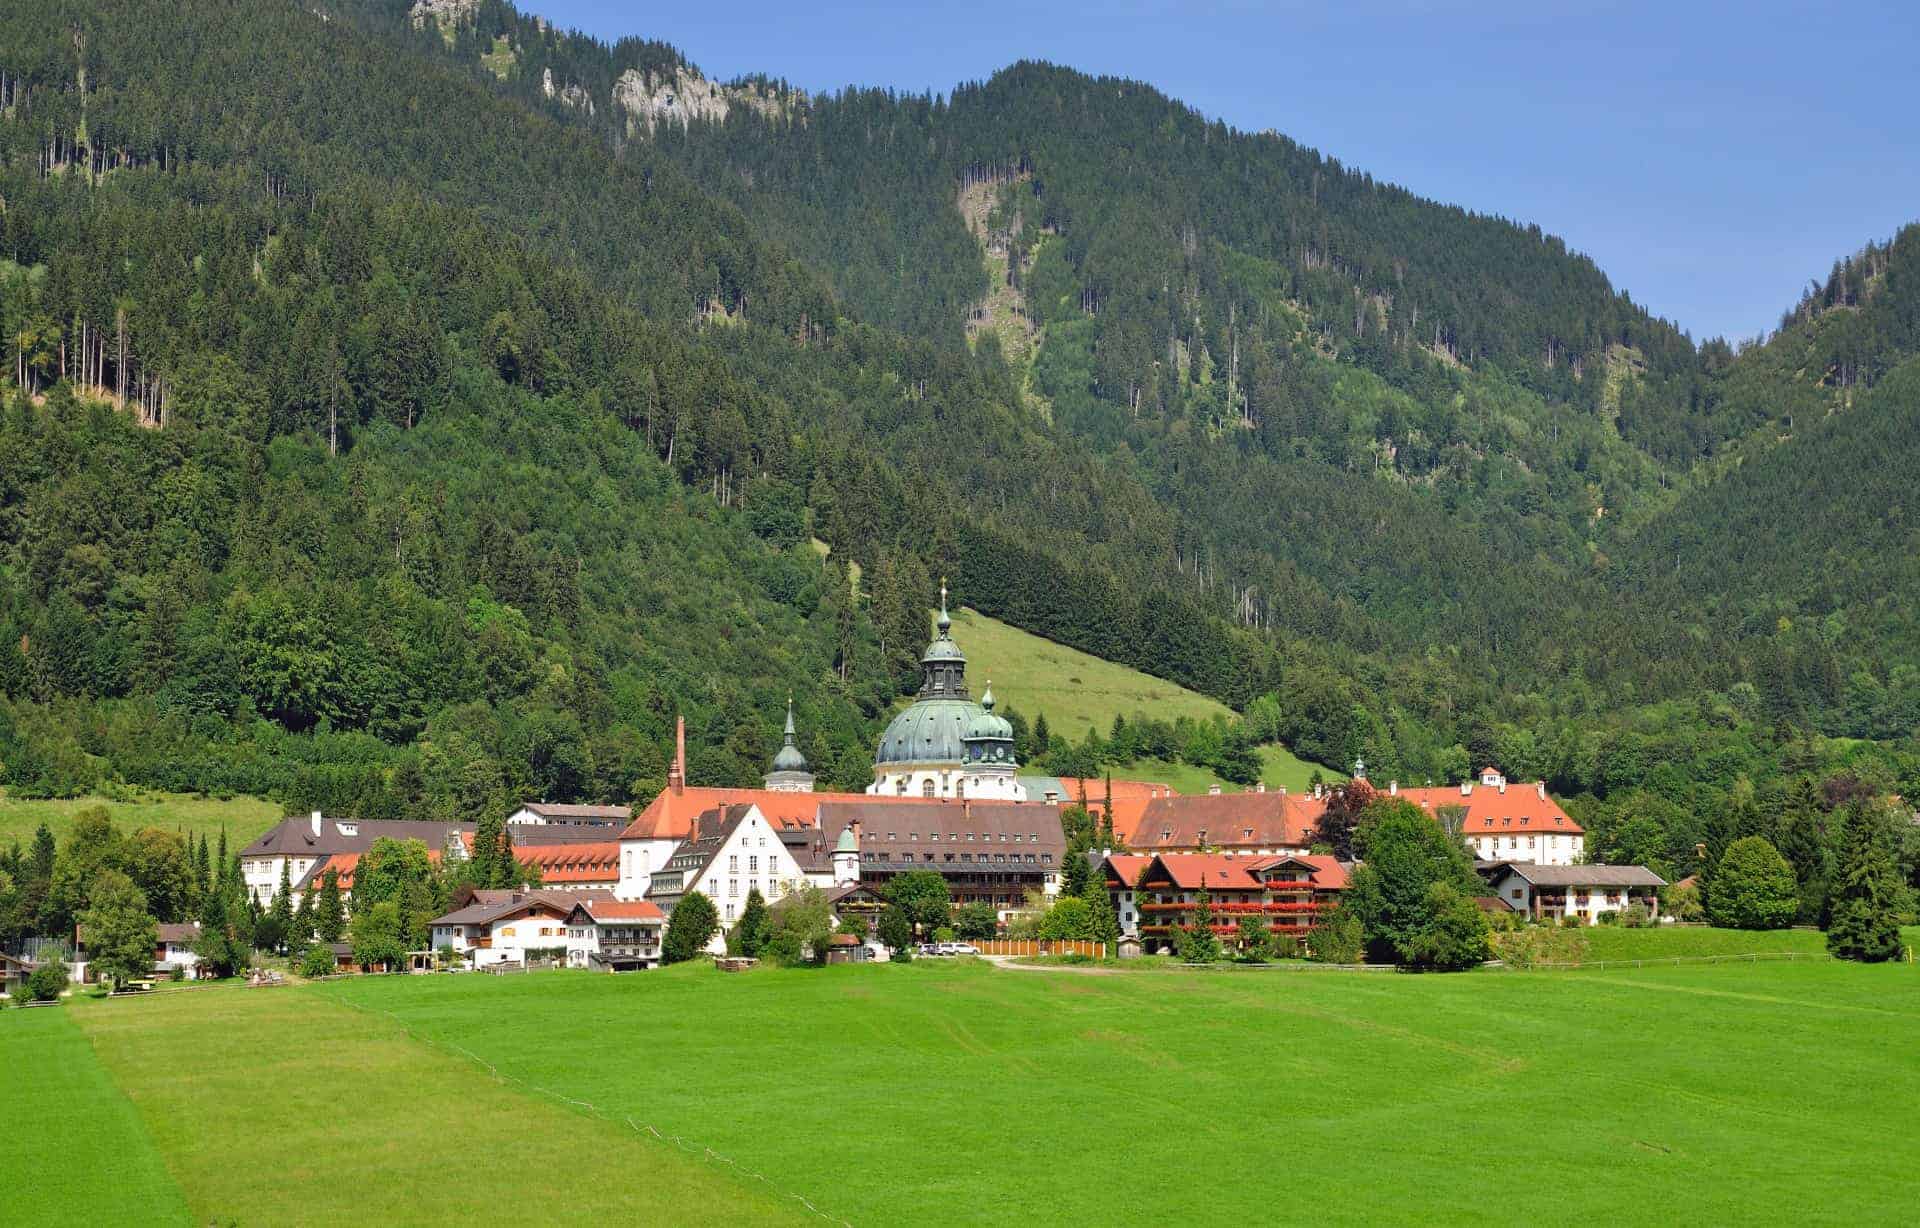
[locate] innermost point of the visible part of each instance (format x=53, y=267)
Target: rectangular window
x=733, y=886
x=753, y=865
x=733, y=863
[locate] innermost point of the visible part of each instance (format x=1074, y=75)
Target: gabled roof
x=483, y=907
x=671, y=816
x=1126, y=868
x=295, y=837
x=1581, y=876
x=572, y=863
x=1518, y=810
x=900, y=826
x=572, y=810
x=1226, y=820
x=602, y=910
x=1226, y=872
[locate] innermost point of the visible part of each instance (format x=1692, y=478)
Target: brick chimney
x=677, y=774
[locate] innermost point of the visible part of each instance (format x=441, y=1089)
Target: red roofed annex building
x=1288, y=891
x=1504, y=823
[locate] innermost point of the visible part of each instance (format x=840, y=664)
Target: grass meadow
x=956, y=1092
x=243, y=817
x=73, y=1149
x=1076, y=690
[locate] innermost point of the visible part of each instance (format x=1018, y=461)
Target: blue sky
x=1711, y=158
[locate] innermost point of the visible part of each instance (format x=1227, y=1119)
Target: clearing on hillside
x=243, y=817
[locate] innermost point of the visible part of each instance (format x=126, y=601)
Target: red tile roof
x=1224, y=872
x=1491, y=811
x=671, y=816
x=1226, y=820
x=572, y=863
x=622, y=910
x=1126, y=867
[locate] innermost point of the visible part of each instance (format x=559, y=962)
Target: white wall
x=945, y=781
x=1544, y=848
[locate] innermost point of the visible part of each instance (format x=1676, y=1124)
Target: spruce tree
x=1866, y=924
x=329, y=915
x=279, y=919
x=689, y=929
x=750, y=933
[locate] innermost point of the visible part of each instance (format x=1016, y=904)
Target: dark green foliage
x=48, y=980
x=1068, y=918
x=1339, y=938
x=1254, y=939
x=977, y=919
x=1868, y=892
x=1752, y=887
x=318, y=960
x=330, y=914
x=378, y=935
x=121, y=933
x=691, y=927
x=1409, y=895
x=923, y=896
x=751, y=932
x=896, y=931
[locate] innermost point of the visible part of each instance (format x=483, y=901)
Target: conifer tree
x=751, y=931
x=329, y=915
x=689, y=929
x=1867, y=889
x=278, y=927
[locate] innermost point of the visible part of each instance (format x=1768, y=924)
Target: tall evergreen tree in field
x=691, y=927
x=330, y=915
x=1867, y=890
x=750, y=933
x=276, y=927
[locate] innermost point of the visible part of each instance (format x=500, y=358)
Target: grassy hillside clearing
x=74, y=1150
x=243, y=817
x=960, y=1093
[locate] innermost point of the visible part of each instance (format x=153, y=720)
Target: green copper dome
x=986, y=725
x=848, y=842
x=936, y=727
x=789, y=758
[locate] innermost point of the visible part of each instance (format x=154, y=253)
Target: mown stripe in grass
x=73, y=1150
x=280, y=1106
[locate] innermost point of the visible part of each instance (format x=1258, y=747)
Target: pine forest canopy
x=421, y=410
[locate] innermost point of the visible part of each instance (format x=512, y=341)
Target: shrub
x=1338, y=939
x=1637, y=917
x=49, y=980
x=178, y=974
x=1070, y=917
x=1753, y=887
x=1683, y=903
x=1286, y=946
x=1571, y=921
x=1455, y=938
x=1196, y=944
x=1531, y=946
x=943, y=934
x=317, y=962
x=976, y=920
x=784, y=947
x=1610, y=916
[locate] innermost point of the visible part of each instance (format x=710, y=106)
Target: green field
x=73, y=1150
x=962, y=1093
x=243, y=817
x=1665, y=942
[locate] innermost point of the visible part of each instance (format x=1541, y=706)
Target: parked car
x=960, y=948
x=934, y=948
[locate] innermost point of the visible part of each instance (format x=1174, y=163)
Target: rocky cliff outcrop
x=683, y=96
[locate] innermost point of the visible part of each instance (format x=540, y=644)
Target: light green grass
x=73, y=1150
x=1279, y=768
x=967, y=1094
x=282, y=1106
x=1616, y=942
x=1074, y=690
x=243, y=817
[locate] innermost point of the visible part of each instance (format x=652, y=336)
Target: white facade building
x=735, y=852
x=1550, y=893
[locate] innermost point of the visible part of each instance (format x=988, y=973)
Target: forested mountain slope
x=387, y=429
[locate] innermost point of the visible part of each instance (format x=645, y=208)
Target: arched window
x=960, y=788
x=926, y=787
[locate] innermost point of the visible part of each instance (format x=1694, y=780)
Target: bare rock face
x=575, y=96
x=445, y=12
x=683, y=96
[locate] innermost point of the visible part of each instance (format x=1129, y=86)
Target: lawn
x=243, y=817
x=288, y=1106
x=962, y=1093
x=73, y=1150
x=1618, y=942
x=1279, y=768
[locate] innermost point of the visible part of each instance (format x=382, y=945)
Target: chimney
x=1213, y=790
x=1503, y=786
x=1283, y=790
x=1540, y=787
x=316, y=824
x=1466, y=788
x=1393, y=788
x=1261, y=787
x=677, y=774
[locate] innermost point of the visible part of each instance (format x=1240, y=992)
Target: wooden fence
x=1040, y=946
